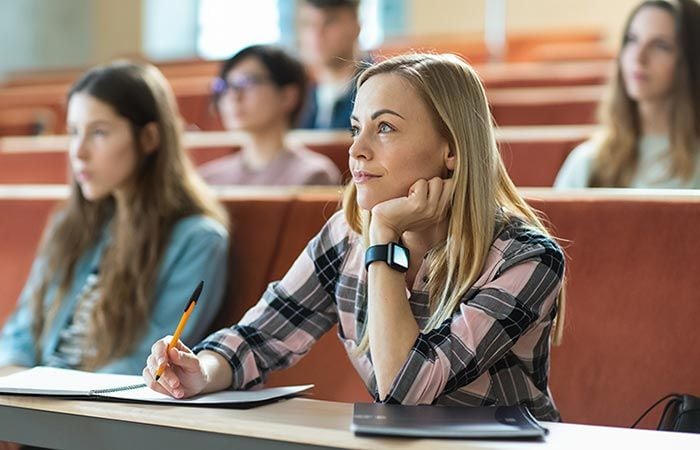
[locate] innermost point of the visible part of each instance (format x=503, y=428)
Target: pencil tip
x=198, y=291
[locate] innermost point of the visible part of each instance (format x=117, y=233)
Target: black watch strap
x=393, y=254
x=376, y=253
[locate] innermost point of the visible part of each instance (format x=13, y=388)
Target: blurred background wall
x=45, y=34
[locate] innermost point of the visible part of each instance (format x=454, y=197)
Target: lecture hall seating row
x=34, y=108
x=547, y=46
x=32, y=102
x=528, y=47
x=510, y=106
x=533, y=155
x=632, y=287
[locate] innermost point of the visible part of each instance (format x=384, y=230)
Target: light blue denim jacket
x=197, y=250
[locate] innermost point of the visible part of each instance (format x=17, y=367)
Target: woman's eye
x=354, y=131
x=99, y=133
x=385, y=128
x=663, y=46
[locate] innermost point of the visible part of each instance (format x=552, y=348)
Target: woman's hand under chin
x=425, y=205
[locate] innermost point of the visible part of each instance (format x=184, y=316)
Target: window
x=371, y=34
x=227, y=26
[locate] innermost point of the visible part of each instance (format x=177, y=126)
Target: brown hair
x=617, y=157
x=165, y=189
x=352, y=5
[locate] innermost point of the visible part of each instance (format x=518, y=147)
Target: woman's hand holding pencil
x=182, y=374
x=173, y=369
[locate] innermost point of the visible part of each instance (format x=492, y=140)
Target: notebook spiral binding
x=118, y=389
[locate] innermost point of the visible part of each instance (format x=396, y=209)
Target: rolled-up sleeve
x=482, y=330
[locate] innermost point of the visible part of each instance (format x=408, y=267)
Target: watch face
x=400, y=256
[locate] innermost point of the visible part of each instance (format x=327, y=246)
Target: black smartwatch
x=394, y=254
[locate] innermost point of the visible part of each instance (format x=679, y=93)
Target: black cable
x=644, y=414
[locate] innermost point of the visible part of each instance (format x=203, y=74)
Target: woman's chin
x=367, y=202
x=91, y=194
x=364, y=203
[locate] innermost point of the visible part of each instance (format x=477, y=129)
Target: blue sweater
x=197, y=250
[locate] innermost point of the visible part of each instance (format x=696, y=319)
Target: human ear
x=150, y=137
x=449, y=157
x=290, y=98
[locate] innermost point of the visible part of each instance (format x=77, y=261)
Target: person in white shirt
x=650, y=136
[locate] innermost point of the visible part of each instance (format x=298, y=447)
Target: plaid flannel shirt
x=494, y=350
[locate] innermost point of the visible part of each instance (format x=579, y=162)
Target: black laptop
x=426, y=421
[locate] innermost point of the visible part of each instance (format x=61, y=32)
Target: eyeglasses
x=241, y=84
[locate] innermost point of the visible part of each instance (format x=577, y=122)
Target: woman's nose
x=78, y=148
x=359, y=149
x=640, y=53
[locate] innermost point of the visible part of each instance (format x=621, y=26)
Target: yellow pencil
x=181, y=326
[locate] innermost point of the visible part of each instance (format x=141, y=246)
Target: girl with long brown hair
x=444, y=284
x=137, y=233
x=651, y=120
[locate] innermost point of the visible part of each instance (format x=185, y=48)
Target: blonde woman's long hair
x=455, y=97
x=165, y=189
x=618, y=155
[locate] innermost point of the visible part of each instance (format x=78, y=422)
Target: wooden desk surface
x=295, y=423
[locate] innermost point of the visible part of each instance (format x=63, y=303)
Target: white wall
x=46, y=34
x=434, y=17
x=37, y=34
x=170, y=28
x=116, y=29
x=42, y=34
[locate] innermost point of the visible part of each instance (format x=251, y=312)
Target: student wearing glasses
x=260, y=92
x=445, y=286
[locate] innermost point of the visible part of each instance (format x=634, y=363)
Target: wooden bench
x=550, y=45
x=533, y=155
x=544, y=74
x=543, y=105
x=560, y=105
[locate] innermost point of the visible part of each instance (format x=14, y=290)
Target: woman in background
x=651, y=121
x=139, y=230
x=260, y=92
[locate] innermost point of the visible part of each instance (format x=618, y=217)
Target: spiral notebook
x=76, y=384
x=426, y=421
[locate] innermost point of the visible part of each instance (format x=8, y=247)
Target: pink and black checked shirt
x=494, y=350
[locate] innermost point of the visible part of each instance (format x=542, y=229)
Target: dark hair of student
x=283, y=69
x=328, y=4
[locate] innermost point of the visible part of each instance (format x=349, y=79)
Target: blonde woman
x=442, y=280
x=651, y=121
x=137, y=233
